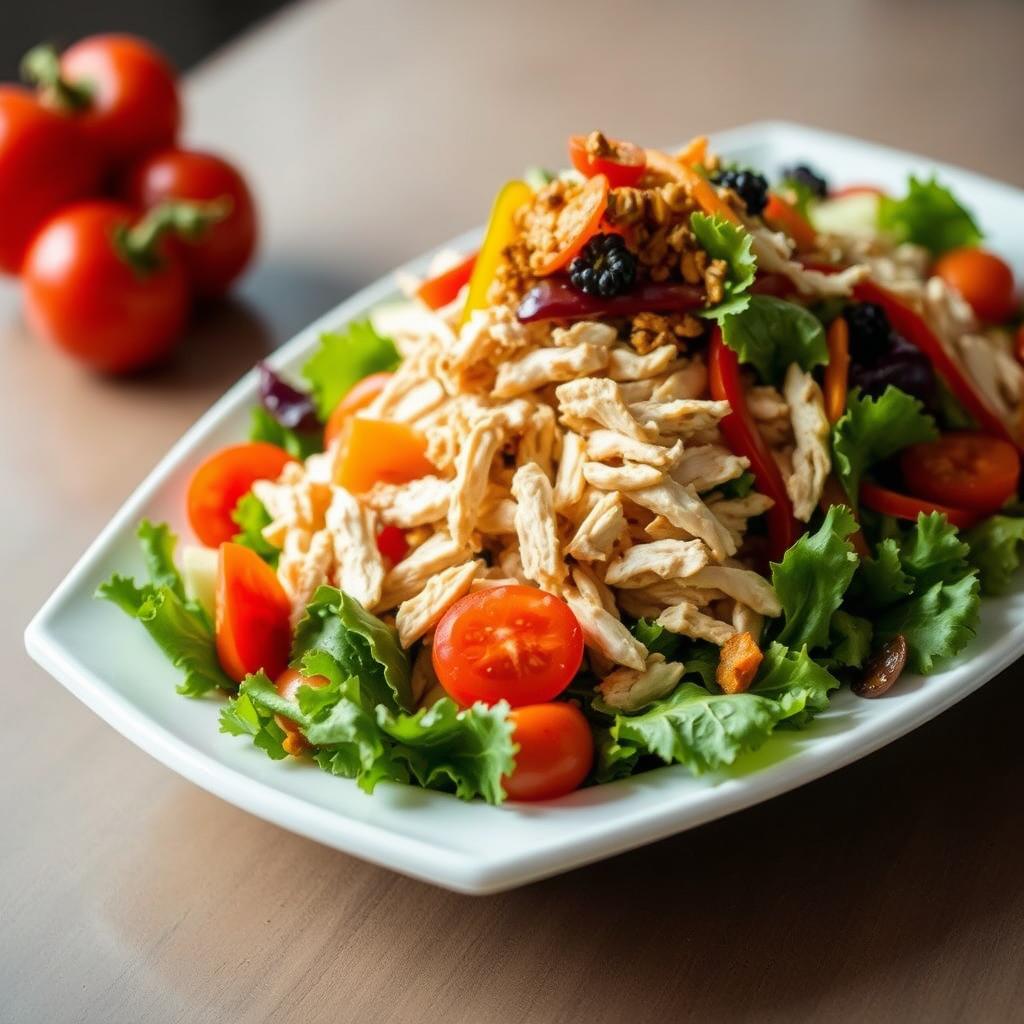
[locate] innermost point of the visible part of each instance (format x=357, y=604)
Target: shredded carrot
x=702, y=189
x=738, y=663
x=695, y=152
x=837, y=373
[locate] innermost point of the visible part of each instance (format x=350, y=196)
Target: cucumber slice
x=199, y=574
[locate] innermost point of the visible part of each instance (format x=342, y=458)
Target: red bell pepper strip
x=741, y=432
x=903, y=506
x=557, y=300
x=444, y=288
x=910, y=326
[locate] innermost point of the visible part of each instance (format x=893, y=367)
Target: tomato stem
x=41, y=67
x=138, y=245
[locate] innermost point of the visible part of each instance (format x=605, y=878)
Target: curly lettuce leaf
x=795, y=682
x=723, y=240
x=344, y=358
x=872, y=429
x=996, y=551
x=251, y=516
x=657, y=639
x=932, y=552
x=812, y=579
x=299, y=444
x=849, y=639
x=360, y=643
x=612, y=760
x=928, y=215
x=881, y=581
x=158, y=542
x=242, y=716
x=771, y=333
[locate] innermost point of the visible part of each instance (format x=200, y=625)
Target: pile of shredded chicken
x=568, y=459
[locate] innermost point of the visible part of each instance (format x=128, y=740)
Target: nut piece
x=883, y=669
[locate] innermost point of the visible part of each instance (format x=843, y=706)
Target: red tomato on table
x=224, y=251
x=83, y=294
x=252, y=622
x=556, y=751
x=222, y=479
x=510, y=643
x=45, y=163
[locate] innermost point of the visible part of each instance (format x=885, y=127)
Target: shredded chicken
x=630, y=689
x=811, y=460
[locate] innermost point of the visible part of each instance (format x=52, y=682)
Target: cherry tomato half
x=45, y=163
x=83, y=295
x=623, y=167
x=132, y=95
x=252, y=621
x=224, y=251
x=578, y=222
x=964, y=470
x=287, y=685
x=510, y=643
x=556, y=751
x=903, y=506
x=983, y=279
x=221, y=480
x=359, y=396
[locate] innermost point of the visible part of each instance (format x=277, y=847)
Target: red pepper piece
x=903, y=506
x=444, y=288
x=558, y=300
x=741, y=432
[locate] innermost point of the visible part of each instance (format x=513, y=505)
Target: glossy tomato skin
x=622, y=172
x=222, y=479
x=983, y=279
x=964, y=470
x=45, y=163
x=217, y=259
x=556, y=751
x=253, y=631
x=359, y=396
x=134, y=105
x=287, y=685
x=512, y=643
x=82, y=296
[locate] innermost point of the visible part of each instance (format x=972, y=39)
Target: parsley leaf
x=928, y=215
x=872, y=429
x=772, y=333
x=723, y=240
x=995, y=551
x=343, y=359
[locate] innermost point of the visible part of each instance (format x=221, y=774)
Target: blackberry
x=750, y=186
x=870, y=330
x=605, y=267
x=803, y=175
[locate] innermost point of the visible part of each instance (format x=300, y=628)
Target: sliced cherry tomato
x=86, y=294
x=903, y=506
x=124, y=92
x=784, y=217
x=511, y=643
x=219, y=257
x=837, y=372
x=556, y=751
x=45, y=163
x=438, y=291
x=983, y=279
x=380, y=451
x=359, y=396
x=391, y=543
x=578, y=222
x=744, y=439
x=287, y=685
x=623, y=167
x=253, y=628
x=221, y=480
x=972, y=471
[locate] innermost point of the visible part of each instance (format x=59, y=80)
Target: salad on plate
x=670, y=459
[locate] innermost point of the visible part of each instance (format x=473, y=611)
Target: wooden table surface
x=891, y=890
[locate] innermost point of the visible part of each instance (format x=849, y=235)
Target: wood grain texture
x=889, y=891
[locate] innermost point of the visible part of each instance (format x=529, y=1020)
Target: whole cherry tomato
x=252, y=621
x=512, y=643
x=125, y=92
x=222, y=479
x=92, y=292
x=983, y=279
x=45, y=163
x=964, y=470
x=556, y=751
x=220, y=256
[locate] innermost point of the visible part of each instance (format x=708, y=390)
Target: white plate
x=109, y=663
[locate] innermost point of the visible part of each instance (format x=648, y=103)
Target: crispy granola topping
x=649, y=331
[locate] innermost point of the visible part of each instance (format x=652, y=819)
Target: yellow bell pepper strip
x=500, y=231
x=702, y=189
x=837, y=372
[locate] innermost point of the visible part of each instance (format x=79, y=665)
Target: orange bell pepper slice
x=702, y=189
x=380, y=451
x=785, y=217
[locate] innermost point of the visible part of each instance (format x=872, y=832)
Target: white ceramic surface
x=109, y=663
